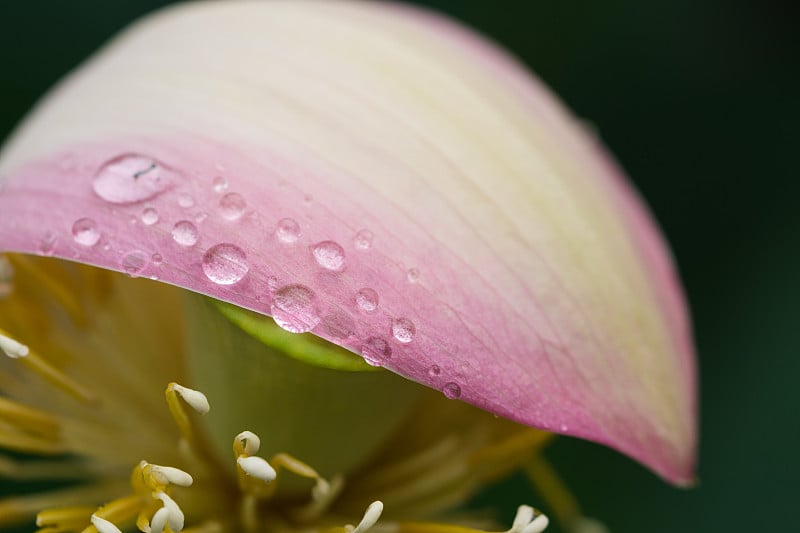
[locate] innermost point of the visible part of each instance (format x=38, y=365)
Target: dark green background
x=698, y=100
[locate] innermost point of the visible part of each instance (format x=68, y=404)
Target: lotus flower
x=372, y=174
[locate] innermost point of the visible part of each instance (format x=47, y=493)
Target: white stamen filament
x=257, y=468
x=12, y=348
x=172, y=475
x=103, y=525
x=249, y=441
x=175, y=516
x=371, y=516
x=196, y=399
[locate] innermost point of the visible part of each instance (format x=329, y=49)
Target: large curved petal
x=513, y=266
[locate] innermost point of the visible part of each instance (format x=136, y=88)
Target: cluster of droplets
x=133, y=178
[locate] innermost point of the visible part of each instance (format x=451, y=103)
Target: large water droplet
x=363, y=239
x=232, y=206
x=294, y=308
x=403, y=330
x=185, y=200
x=329, y=255
x=131, y=178
x=287, y=231
x=220, y=184
x=133, y=263
x=85, y=232
x=452, y=390
x=367, y=299
x=376, y=351
x=184, y=233
x=149, y=216
x=225, y=264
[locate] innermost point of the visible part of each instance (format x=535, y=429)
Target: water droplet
x=376, y=351
x=367, y=299
x=220, y=184
x=403, y=330
x=185, y=200
x=287, y=231
x=133, y=263
x=413, y=275
x=225, y=264
x=48, y=243
x=294, y=308
x=232, y=206
x=149, y=216
x=451, y=390
x=363, y=239
x=434, y=371
x=157, y=259
x=131, y=178
x=85, y=232
x=184, y=233
x=329, y=255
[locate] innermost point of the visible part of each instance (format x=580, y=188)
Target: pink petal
x=387, y=179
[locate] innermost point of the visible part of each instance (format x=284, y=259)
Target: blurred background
x=699, y=102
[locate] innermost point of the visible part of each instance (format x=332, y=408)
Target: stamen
x=6, y=277
x=37, y=444
x=65, y=518
x=527, y=521
x=28, y=418
x=159, y=520
x=172, y=475
x=371, y=516
x=175, y=517
x=103, y=525
x=246, y=443
x=195, y=399
x=29, y=358
x=53, y=286
x=257, y=467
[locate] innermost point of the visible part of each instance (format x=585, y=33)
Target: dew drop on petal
x=287, y=231
x=413, y=275
x=47, y=243
x=157, y=259
x=85, y=232
x=149, y=216
x=434, y=371
x=220, y=184
x=363, y=239
x=452, y=390
x=367, y=299
x=403, y=330
x=376, y=351
x=132, y=263
x=185, y=200
x=294, y=308
x=329, y=255
x=232, y=206
x=225, y=264
x=184, y=233
x=131, y=178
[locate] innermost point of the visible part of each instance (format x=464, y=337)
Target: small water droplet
x=225, y=264
x=185, y=200
x=232, y=206
x=287, y=231
x=363, y=239
x=184, y=233
x=329, y=255
x=133, y=263
x=85, y=232
x=47, y=244
x=272, y=283
x=157, y=259
x=367, y=299
x=376, y=351
x=294, y=308
x=220, y=184
x=434, y=371
x=131, y=178
x=403, y=330
x=149, y=216
x=452, y=391
x=413, y=275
